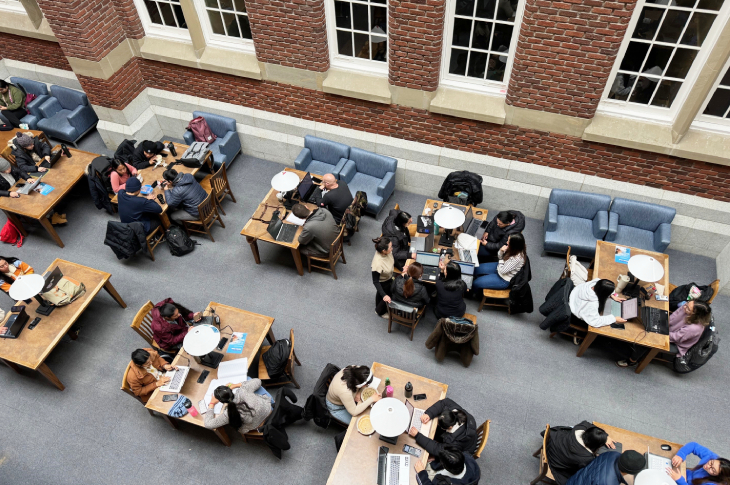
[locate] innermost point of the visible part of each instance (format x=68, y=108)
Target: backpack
x=178, y=241
x=276, y=357
x=11, y=235
x=103, y=168
x=699, y=353
x=201, y=130
x=125, y=151
x=351, y=218
x=66, y=291
x=680, y=294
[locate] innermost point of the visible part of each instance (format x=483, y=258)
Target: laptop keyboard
x=465, y=255
x=177, y=379
x=416, y=422
x=287, y=232
x=394, y=470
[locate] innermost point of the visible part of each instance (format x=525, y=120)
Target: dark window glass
x=658, y=58
x=719, y=103
x=496, y=67
x=231, y=25
x=634, y=56
x=726, y=78
x=643, y=90
x=710, y=4
x=457, y=63
x=240, y=6
x=180, y=16
x=485, y=9
x=362, y=45
x=462, y=31
x=226, y=4
x=481, y=34
x=507, y=10
x=681, y=62
x=502, y=37
x=342, y=15
x=674, y=22
x=648, y=23
x=477, y=64
x=154, y=13
x=621, y=87
x=216, y=23
x=167, y=15
x=665, y=93
x=245, y=27
x=699, y=26
x=464, y=7
x=360, y=17
x=344, y=43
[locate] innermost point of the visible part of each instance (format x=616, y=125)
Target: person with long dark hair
x=570, y=449
x=120, y=174
x=10, y=269
x=408, y=289
x=588, y=301
x=147, y=372
x=395, y=228
x=343, y=396
x=170, y=324
x=450, y=290
x=456, y=427
x=451, y=465
x=497, y=276
x=711, y=469
x=382, y=268
x=498, y=231
x=245, y=408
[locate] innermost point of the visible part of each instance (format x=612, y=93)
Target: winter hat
x=631, y=462
x=23, y=140
x=133, y=185
x=4, y=164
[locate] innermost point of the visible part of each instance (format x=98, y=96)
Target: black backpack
x=103, y=168
x=680, y=293
x=699, y=353
x=125, y=151
x=275, y=358
x=178, y=241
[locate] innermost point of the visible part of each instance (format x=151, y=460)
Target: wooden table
x=640, y=443
x=33, y=346
x=357, y=461
x=256, y=326
x=6, y=136
x=63, y=176
x=605, y=266
x=435, y=205
x=152, y=173
x=257, y=230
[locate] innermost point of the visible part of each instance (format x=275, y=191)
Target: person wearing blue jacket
x=609, y=469
x=711, y=469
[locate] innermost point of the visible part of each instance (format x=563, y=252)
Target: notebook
x=229, y=372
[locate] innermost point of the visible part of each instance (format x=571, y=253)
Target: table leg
x=113, y=292
x=645, y=361
x=254, y=248
x=15, y=220
x=164, y=220
x=49, y=228
x=170, y=421
x=221, y=434
x=590, y=337
x=48, y=374
x=298, y=261
x=270, y=336
x=16, y=368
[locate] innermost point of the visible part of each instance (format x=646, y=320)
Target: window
x=665, y=42
x=480, y=40
x=228, y=18
x=12, y=5
x=716, y=109
x=360, y=31
x=166, y=12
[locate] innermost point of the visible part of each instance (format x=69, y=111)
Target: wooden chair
x=151, y=243
x=128, y=390
x=288, y=371
x=219, y=182
x=496, y=295
x=207, y=215
x=544, y=475
x=471, y=318
x=142, y=324
x=566, y=268
x=715, y=285
x=337, y=251
x=7, y=154
x=406, y=319
x=482, y=437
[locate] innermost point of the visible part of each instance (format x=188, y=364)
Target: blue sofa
x=67, y=115
x=575, y=219
x=640, y=224
x=372, y=173
x=227, y=145
x=41, y=91
x=322, y=156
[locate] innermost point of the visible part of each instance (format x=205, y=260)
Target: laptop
x=423, y=244
x=306, y=188
x=177, y=379
x=655, y=320
x=280, y=231
x=55, y=156
x=471, y=224
x=416, y=418
x=25, y=189
x=52, y=279
x=467, y=272
x=15, y=324
x=656, y=462
x=626, y=309
x=393, y=469
x=430, y=262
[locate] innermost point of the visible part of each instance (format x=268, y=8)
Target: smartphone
x=154, y=184
x=412, y=451
x=419, y=397
x=169, y=397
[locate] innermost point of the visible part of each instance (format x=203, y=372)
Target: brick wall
x=127, y=12
x=34, y=51
x=290, y=33
x=415, y=30
x=565, y=53
x=117, y=91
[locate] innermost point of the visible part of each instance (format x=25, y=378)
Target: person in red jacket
x=170, y=324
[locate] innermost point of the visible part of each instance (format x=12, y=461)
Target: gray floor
x=93, y=433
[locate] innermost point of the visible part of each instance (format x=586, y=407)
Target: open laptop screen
x=410, y=408
x=428, y=259
x=305, y=185
x=466, y=268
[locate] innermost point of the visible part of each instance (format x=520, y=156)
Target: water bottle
x=409, y=389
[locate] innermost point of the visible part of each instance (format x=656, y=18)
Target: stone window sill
x=356, y=85
x=470, y=105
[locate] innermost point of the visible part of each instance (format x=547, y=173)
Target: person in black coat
x=450, y=291
x=145, y=152
x=9, y=175
x=456, y=427
x=570, y=449
x=450, y=467
x=497, y=233
x=407, y=288
x=395, y=228
x=24, y=149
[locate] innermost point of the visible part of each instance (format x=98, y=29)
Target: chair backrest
x=642, y=215
x=543, y=452
x=219, y=125
x=69, y=98
x=326, y=151
x=482, y=436
x=579, y=204
x=219, y=181
x=397, y=206
x=403, y=316
x=206, y=209
x=7, y=154
x=336, y=246
x=290, y=359
x=142, y=323
x=715, y=285
x=566, y=268
x=371, y=163
x=125, y=383
x=31, y=87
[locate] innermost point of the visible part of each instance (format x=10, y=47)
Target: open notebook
x=229, y=372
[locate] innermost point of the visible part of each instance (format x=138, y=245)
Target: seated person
x=147, y=373
x=246, y=406
x=145, y=152
x=711, y=469
x=10, y=269
x=408, y=289
x=133, y=208
x=120, y=174
x=319, y=231
x=183, y=194
x=450, y=466
x=456, y=428
x=29, y=151
x=570, y=449
x=609, y=468
x=170, y=324
x=12, y=103
x=450, y=290
x=588, y=300
x=343, y=396
x=497, y=231
x=686, y=325
x=497, y=276
x=395, y=228
x=336, y=196
x=9, y=175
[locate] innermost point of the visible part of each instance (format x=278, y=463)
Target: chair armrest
x=386, y=187
x=304, y=159
x=50, y=107
x=34, y=106
x=82, y=118
x=600, y=224
x=662, y=237
x=551, y=218
x=227, y=142
x=338, y=168
x=189, y=137
x=612, y=226
x=348, y=171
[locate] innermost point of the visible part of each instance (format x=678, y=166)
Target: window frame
x=469, y=83
x=152, y=29
x=12, y=6
x=658, y=114
x=713, y=123
x=239, y=44
x=337, y=60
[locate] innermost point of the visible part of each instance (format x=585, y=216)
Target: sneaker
x=625, y=363
x=577, y=340
x=384, y=315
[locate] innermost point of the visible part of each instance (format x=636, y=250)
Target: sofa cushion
x=642, y=214
x=58, y=126
x=329, y=152
x=369, y=185
x=30, y=120
x=320, y=168
x=371, y=163
x=579, y=204
x=634, y=237
x=69, y=98
x=31, y=87
x=575, y=232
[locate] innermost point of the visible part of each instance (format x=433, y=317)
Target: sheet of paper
x=237, y=342
x=294, y=219
x=233, y=368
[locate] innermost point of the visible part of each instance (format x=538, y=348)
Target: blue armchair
x=226, y=146
x=322, y=156
x=372, y=173
x=67, y=115
x=575, y=219
x=640, y=224
x=41, y=92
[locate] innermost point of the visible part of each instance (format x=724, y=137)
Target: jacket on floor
x=463, y=180
x=283, y=414
x=448, y=336
x=319, y=232
x=556, y=307
x=401, y=239
x=187, y=194
x=565, y=454
x=24, y=158
x=17, y=174
x=169, y=335
x=497, y=236
x=464, y=438
x=125, y=239
x=601, y=471
x=470, y=475
x=316, y=407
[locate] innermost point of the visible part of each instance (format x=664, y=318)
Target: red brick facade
x=415, y=31
x=117, y=91
x=33, y=51
x=290, y=33
x=565, y=53
x=129, y=17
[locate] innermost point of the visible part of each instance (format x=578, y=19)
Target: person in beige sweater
x=343, y=396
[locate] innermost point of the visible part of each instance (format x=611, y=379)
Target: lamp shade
x=26, y=286
x=646, y=268
x=285, y=181
x=390, y=417
x=653, y=477
x=201, y=340
x=449, y=217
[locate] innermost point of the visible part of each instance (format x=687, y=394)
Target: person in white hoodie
x=588, y=300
